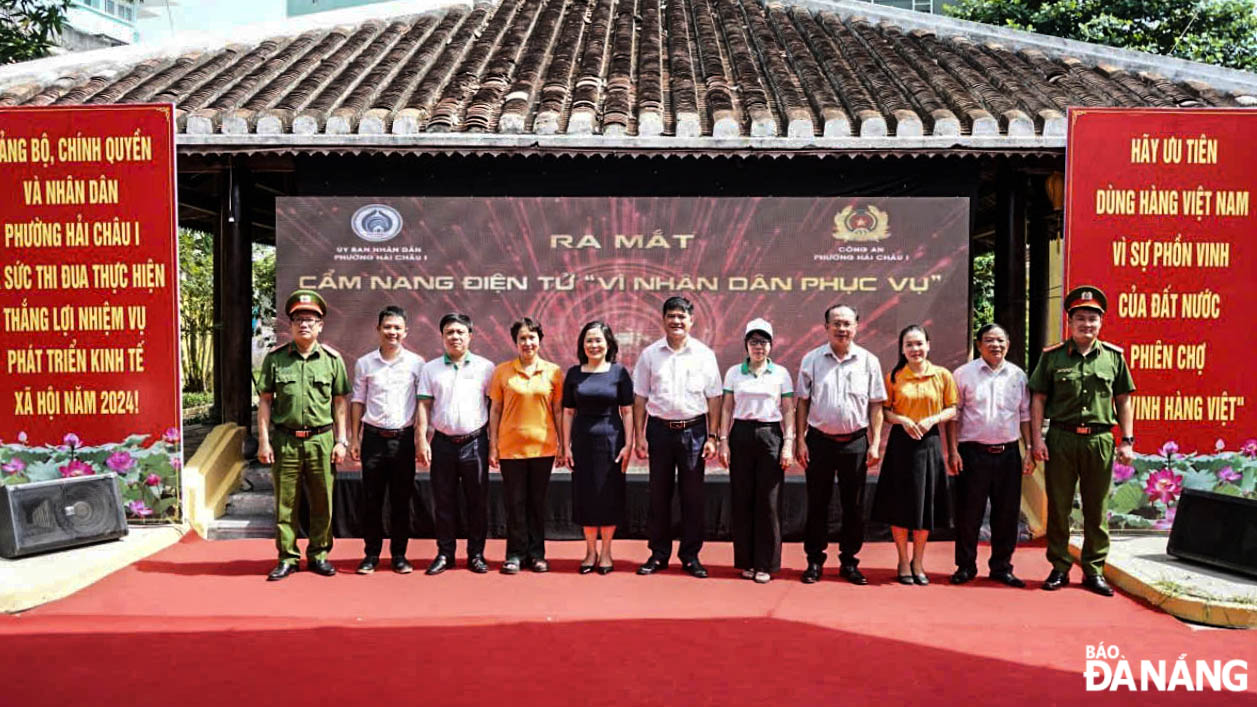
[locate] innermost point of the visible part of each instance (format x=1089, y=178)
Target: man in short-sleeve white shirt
x=381, y=410
x=839, y=397
x=454, y=401
x=677, y=395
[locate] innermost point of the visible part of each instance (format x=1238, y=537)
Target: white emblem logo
x=376, y=223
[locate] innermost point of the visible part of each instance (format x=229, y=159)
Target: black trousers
x=755, y=478
x=676, y=459
x=993, y=476
x=387, y=462
x=524, y=486
x=847, y=460
x=466, y=464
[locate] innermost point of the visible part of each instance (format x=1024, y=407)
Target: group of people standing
x=460, y=415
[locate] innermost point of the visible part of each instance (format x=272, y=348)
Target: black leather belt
x=683, y=424
x=990, y=448
x=843, y=438
x=460, y=439
x=305, y=432
x=385, y=432
x=1084, y=430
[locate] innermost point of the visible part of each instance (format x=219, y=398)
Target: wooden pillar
x=233, y=298
x=1039, y=232
x=1010, y=261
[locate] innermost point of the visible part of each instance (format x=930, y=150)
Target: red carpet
x=197, y=625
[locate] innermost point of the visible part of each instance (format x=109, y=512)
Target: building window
x=110, y=7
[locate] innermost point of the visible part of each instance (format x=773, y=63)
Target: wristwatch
x=1128, y=440
x=343, y=442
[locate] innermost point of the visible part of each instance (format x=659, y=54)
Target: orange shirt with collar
x=919, y=395
x=526, y=429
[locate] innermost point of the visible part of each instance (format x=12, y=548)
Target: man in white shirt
x=677, y=395
x=840, y=392
x=994, y=413
x=454, y=401
x=381, y=408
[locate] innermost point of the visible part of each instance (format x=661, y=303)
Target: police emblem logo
x=376, y=223
x=861, y=223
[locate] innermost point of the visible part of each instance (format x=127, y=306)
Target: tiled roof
x=630, y=70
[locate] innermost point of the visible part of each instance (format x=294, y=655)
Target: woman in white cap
x=755, y=444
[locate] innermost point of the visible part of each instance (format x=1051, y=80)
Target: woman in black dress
x=598, y=424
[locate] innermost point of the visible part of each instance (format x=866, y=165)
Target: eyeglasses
x=758, y=342
x=306, y=320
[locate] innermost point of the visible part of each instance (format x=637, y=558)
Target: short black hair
x=526, y=323
x=840, y=305
x=391, y=311
x=613, y=348
x=677, y=302
x=982, y=331
x=454, y=318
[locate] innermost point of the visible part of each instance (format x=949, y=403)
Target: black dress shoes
x=694, y=568
x=281, y=570
x=539, y=565
x=1007, y=578
x=510, y=566
x=964, y=575
x=1096, y=583
x=1055, y=580
x=322, y=567
x=368, y=564
x=812, y=574
x=402, y=566
x=652, y=566
x=854, y=576
x=439, y=564
x=476, y=564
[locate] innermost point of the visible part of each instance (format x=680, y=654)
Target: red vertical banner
x=89, y=300
x=1159, y=214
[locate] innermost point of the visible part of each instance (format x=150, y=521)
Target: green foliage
x=982, y=292
x=196, y=308
x=29, y=27
x=264, y=282
x=195, y=400
x=1222, y=32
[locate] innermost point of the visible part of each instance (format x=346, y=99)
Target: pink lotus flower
x=1249, y=449
x=120, y=462
x=171, y=435
x=177, y=463
x=76, y=467
x=1122, y=472
x=1164, y=486
x=1169, y=449
x=138, y=508
x=1228, y=474
x=21, y=437
x=153, y=480
x=14, y=466
x=71, y=440
x=1168, y=521
x=1219, y=445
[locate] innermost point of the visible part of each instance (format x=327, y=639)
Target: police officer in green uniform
x=303, y=392
x=1083, y=386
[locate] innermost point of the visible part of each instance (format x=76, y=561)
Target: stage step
x=242, y=527
x=251, y=510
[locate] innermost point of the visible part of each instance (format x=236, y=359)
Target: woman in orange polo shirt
x=912, y=486
x=526, y=395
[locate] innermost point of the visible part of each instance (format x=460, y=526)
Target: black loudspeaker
x=1216, y=529
x=54, y=515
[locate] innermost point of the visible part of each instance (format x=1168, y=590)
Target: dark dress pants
x=387, y=462
x=524, y=485
x=466, y=464
x=993, y=476
x=847, y=460
x=676, y=459
x=755, y=478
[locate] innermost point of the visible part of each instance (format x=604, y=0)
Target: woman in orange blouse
x=912, y=486
x=524, y=438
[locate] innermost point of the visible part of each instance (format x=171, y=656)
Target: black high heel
x=606, y=569
x=586, y=569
